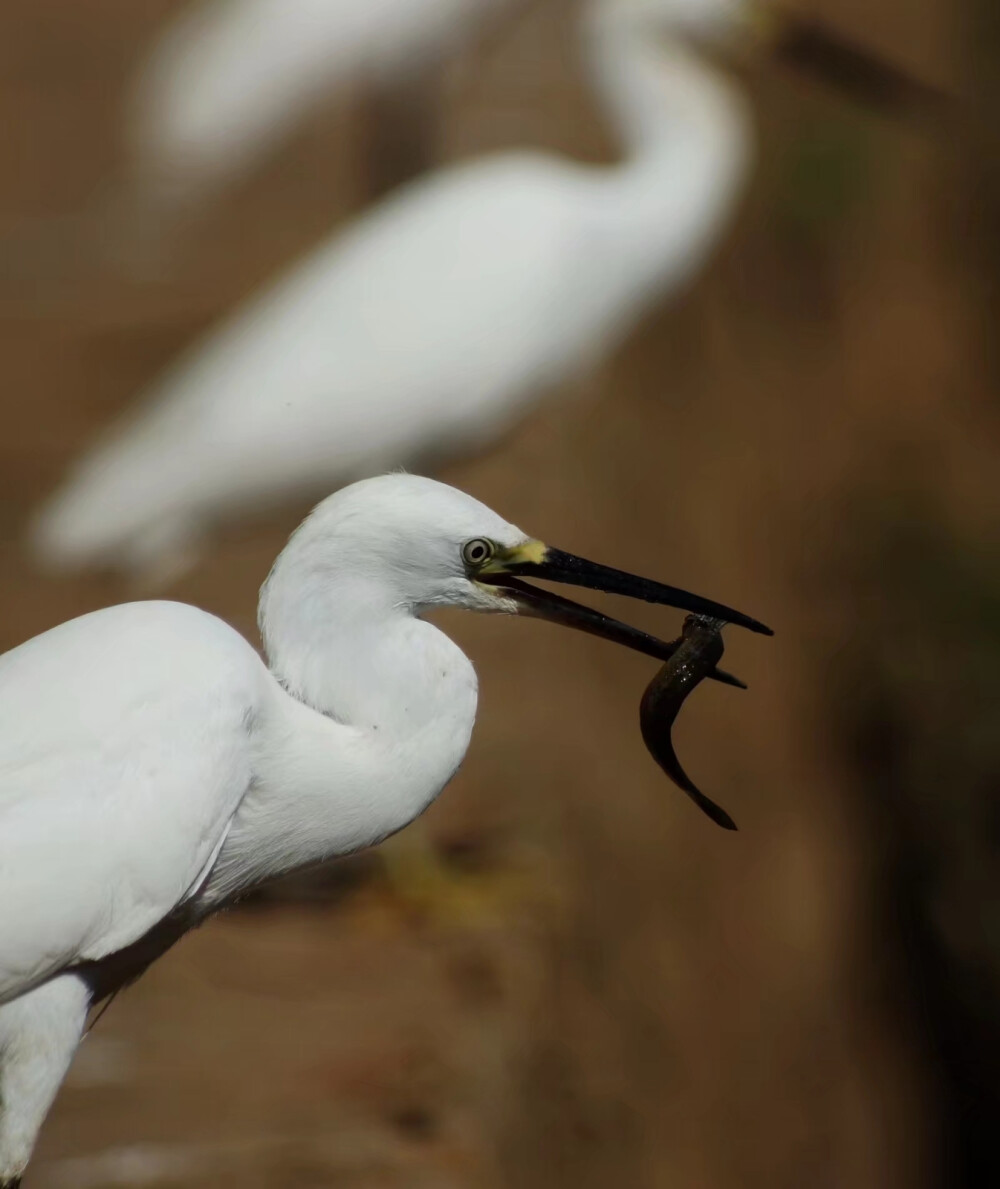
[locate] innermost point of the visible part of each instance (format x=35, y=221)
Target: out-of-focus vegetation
x=916, y=697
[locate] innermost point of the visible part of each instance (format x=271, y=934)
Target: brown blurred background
x=628, y=997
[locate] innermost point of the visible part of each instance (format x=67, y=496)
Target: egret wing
x=123, y=756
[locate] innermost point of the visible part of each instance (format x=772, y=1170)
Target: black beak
x=544, y=604
x=812, y=47
x=556, y=566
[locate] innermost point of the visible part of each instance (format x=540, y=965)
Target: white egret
x=442, y=315
x=152, y=767
x=438, y=318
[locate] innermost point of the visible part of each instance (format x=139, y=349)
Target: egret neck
x=372, y=714
x=685, y=130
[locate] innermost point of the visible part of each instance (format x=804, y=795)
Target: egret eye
x=477, y=551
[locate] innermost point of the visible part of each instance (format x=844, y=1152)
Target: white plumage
x=437, y=319
x=227, y=79
x=122, y=760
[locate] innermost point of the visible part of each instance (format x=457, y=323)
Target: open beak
x=813, y=47
x=533, y=559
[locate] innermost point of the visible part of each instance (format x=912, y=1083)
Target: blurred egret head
x=741, y=29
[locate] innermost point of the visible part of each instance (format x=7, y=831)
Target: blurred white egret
x=228, y=79
x=438, y=318
x=152, y=767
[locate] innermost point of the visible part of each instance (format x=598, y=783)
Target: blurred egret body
x=437, y=319
x=228, y=79
x=152, y=767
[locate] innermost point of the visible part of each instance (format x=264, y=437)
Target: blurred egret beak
x=814, y=48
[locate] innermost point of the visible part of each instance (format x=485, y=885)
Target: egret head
x=405, y=544
x=397, y=540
